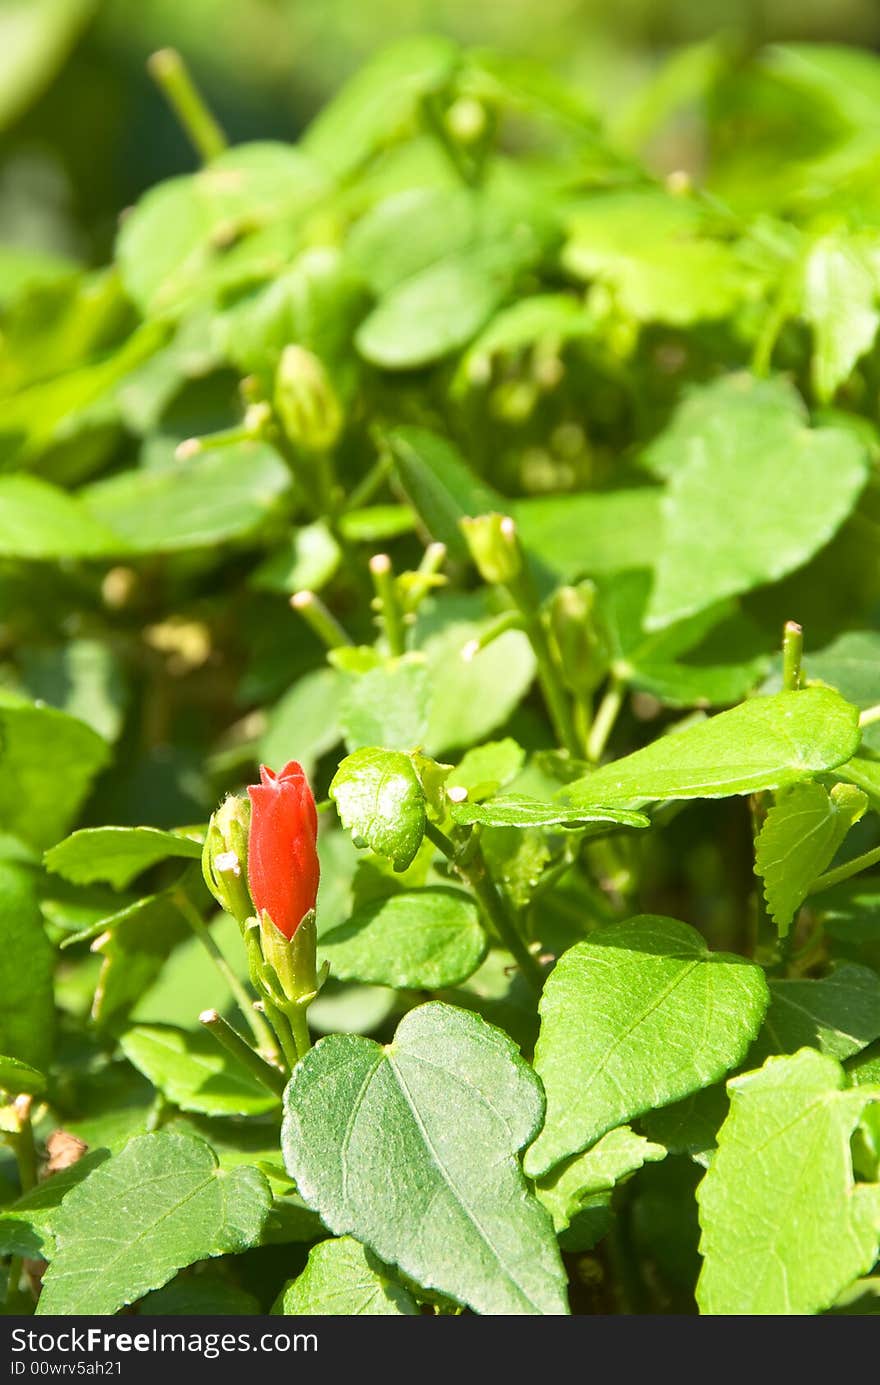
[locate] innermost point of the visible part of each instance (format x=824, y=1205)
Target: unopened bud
x=580, y=638
x=494, y=547
x=224, y=857
x=306, y=402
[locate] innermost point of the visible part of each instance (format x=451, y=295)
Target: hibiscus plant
x=440, y=717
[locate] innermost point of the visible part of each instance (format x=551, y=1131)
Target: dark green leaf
x=422, y=939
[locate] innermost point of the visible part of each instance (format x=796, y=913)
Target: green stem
x=23, y=1144
x=870, y=715
x=280, y=1023
x=299, y=1028
x=605, y=718
x=171, y=74
x=792, y=653
x=371, y=483
x=475, y=873
x=423, y=579
x=552, y=687
x=849, y=868
x=232, y=1041
x=320, y=620
x=259, y=1028
x=389, y=603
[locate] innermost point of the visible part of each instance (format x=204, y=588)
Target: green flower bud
x=306, y=402
x=580, y=638
x=224, y=857
x=494, y=547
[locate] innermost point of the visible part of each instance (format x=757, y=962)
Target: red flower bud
x=282, y=853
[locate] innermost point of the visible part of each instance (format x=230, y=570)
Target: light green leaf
x=412, y=1148
x=409, y=231
x=422, y=939
x=618, y=1154
x=16, y=1077
x=342, y=1278
x=798, y=841
x=547, y=316
x=193, y=504
x=172, y=1205
x=387, y=705
x=647, y=985
x=839, y=1014
x=865, y=774
x=40, y=521
x=233, y=222
x=765, y=743
x=785, y=1227
x=839, y=296
x=749, y=498
x=440, y=485
x=519, y=810
x=485, y=769
x=471, y=698
x=48, y=761
x=304, y=725
x=647, y=246
x=593, y=533
x=116, y=854
x=378, y=101
x=27, y=1015
x=380, y=801
x=194, y=1072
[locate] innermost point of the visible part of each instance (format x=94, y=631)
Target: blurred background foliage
x=83, y=131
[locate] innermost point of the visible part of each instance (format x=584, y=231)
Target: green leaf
x=422, y=939
x=593, y=533
x=194, y=1072
x=712, y=658
x=412, y=1149
x=49, y=761
x=646, y=985
x=16, y=1077
x=205, y=1295
x=556, y=317
x=83, y=678
x=342, y=1278
x=387, y=706
x=26, y=1225
x=307, y=561
x=408, y=232
x=227, y=225
x=690, y=1126
x=839, y=297
x=839, y=1014
x=172, y=1205
x=193, y=504
x=35, y=38
x=748, y=498
x=306, y=722
x=485, y=769
x=646, y=245
x=440, y=485
x=27, y=1015
x=380, y=801
x=41, y=522
x=798, y=841
x=377, y=101
x=785, y=1227
x=117, y=854
x=851, y=664
x=618, y=1154
x=851, y=911
x=134, y=945
x=471, y=698
x=519, y=810
x=765, y=743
